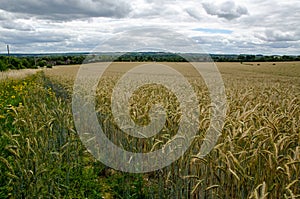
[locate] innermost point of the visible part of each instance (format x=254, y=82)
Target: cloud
x=31, y=37
x=213, y=31
x=13, y=25
x=155, y=9
x=278, y=36
x=194, y=13
x=4, y=15
x=68, y=9
x=222, y=26
x=141, y=39
x=227, y=10
x=283, y=45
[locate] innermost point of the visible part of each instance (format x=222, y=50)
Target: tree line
x=23, y=62
x=32, y=61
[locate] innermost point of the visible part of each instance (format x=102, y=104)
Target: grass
x=17, y=74
x=41, y=154
x=257, y=155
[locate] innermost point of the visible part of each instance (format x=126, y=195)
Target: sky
x=270, y=27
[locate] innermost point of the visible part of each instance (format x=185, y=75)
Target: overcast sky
x=245, y=26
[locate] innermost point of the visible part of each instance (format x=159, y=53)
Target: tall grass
x=41, y=154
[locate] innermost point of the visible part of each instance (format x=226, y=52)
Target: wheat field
x=256, y=156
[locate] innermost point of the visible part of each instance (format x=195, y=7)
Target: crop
x=257, y=154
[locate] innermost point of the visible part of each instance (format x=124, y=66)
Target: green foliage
x=41, y=155
x=14, y=63
x=3, y=66
x=42, y=63
x=21, y=62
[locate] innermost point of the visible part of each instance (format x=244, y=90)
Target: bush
x=3, y=66
x=42, y=63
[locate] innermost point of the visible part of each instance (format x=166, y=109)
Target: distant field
x=257, y=155
x=241, y=66
x=264, y=71
x=290, y=69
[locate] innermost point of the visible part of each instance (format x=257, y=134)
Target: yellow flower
x=13, y=97
x=2, y=116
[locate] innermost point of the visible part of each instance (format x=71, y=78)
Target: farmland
x=257, y=154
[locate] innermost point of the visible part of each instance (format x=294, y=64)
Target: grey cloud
x=141, y=39
x=201, y=40
x=4, y=15
x=18, y=37
x=280, y=45
x=10, y=21
x=11, y=25
x=227, y=10
x=277, y=36
x=68, y=9
x=154, y=8
x=193, y=13
x=48, y=41
x=284, y=14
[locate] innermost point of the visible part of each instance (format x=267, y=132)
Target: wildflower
x=2, y=116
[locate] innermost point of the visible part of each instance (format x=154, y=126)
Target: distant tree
x=16, y=63
x=241, y=58
x=250, y=58
x=25, y=63
x=287, y=58
x=3, y=66
x=42, y=63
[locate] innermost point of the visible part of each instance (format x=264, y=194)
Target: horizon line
x=90, y=53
